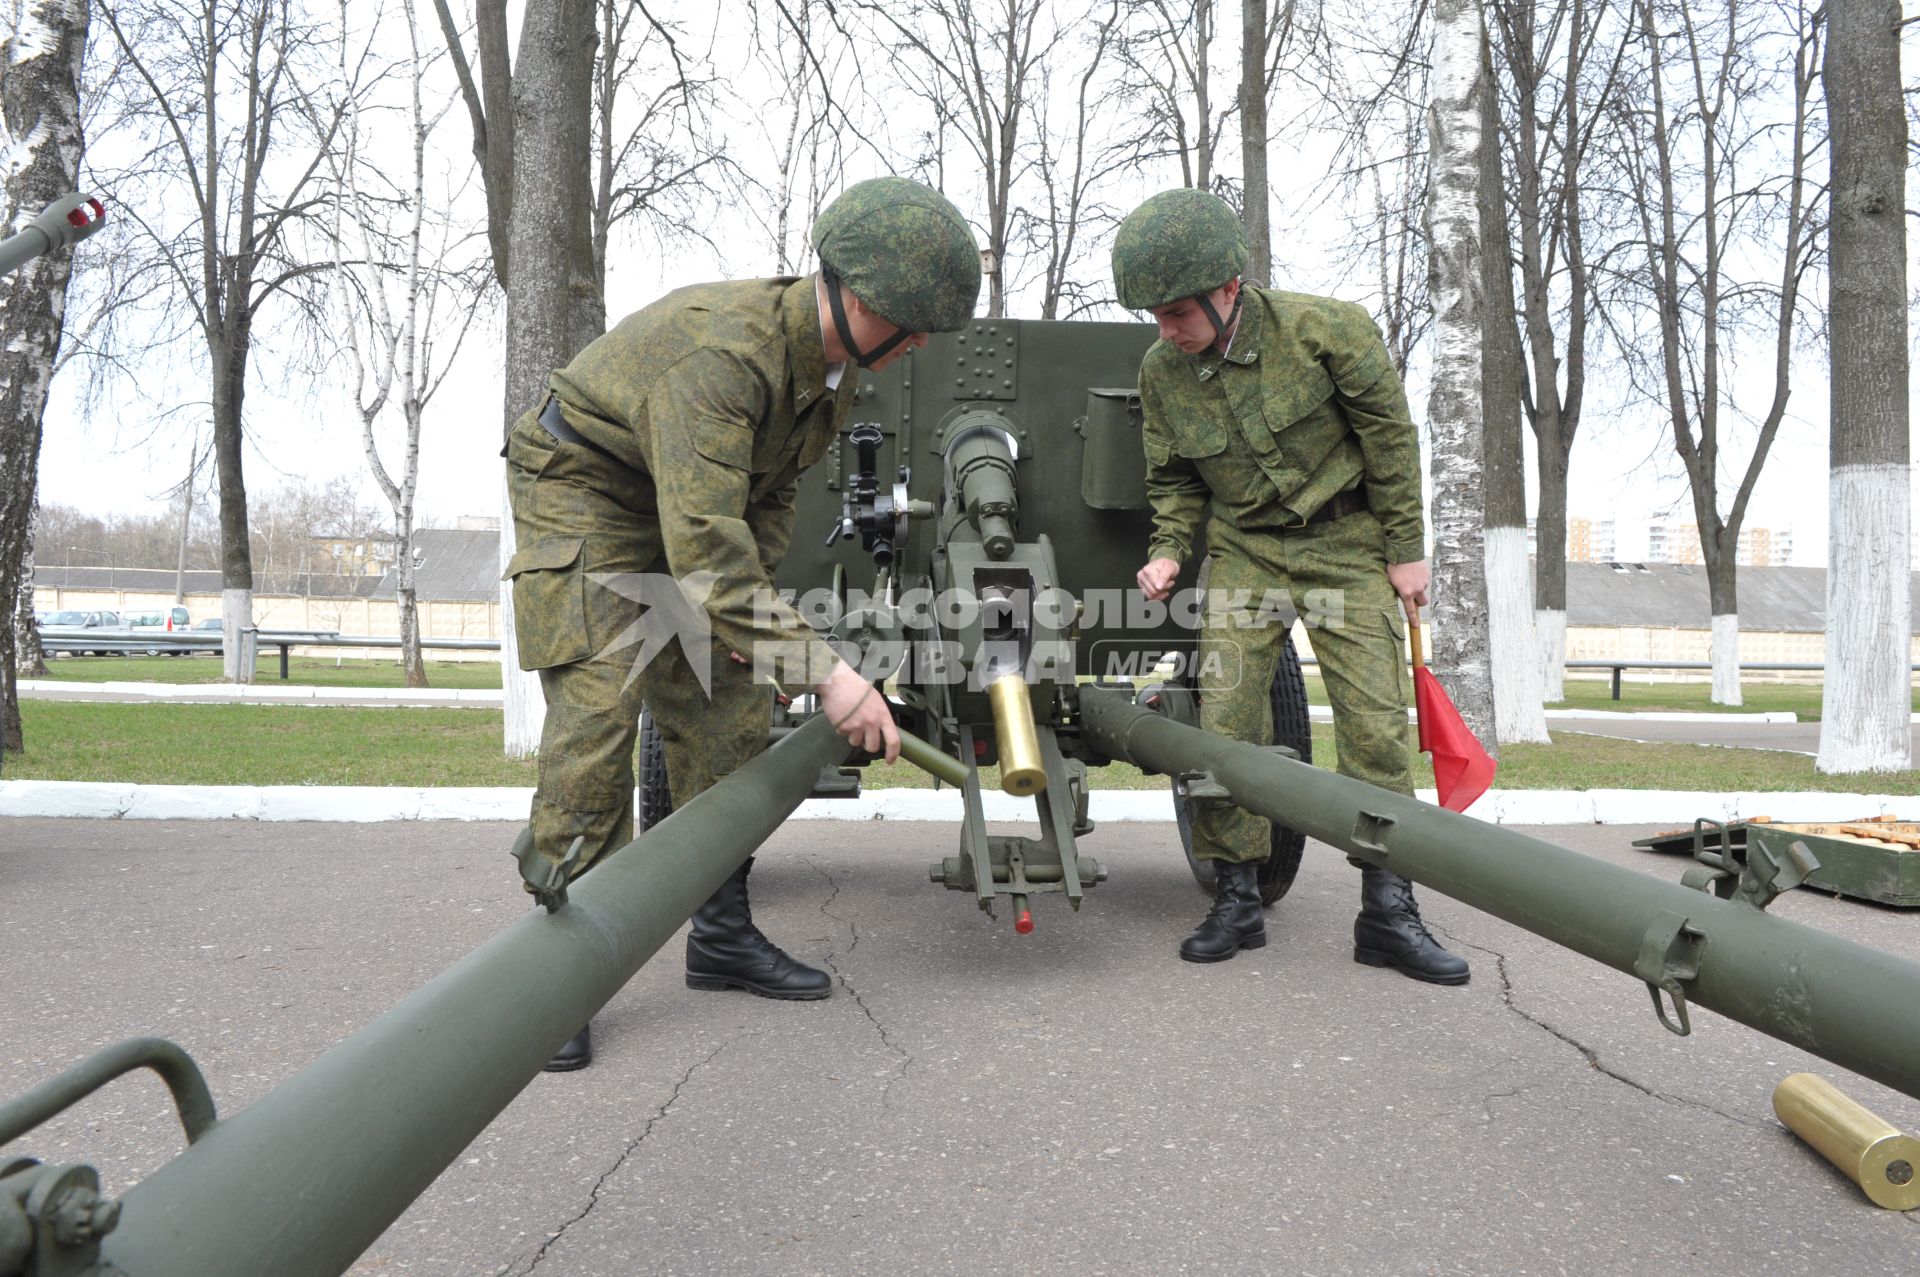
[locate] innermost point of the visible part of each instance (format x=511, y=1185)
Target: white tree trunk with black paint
x=1460, y=642
x=39, y=162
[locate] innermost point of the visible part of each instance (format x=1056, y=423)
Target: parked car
x=173, y=618
x=205, y=624
x=81, y=621
x=76, y=620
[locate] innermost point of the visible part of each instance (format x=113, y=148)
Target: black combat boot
x=1237, y=920
x=1389, y=933
x=576, y=1054
x=726, y=951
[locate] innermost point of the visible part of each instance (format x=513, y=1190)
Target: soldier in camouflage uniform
x=670, y=447
x=1281, y=416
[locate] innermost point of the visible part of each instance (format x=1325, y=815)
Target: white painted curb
x=1324, y=714
x=385, y=803
x=1663, y=716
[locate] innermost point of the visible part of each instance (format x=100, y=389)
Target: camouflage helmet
x=904, y=250
x=1181, y=243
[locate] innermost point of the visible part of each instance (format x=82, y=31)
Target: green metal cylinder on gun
x=980, y=453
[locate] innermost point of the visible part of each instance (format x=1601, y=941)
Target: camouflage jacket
x=718, y=394
x=1303, y=406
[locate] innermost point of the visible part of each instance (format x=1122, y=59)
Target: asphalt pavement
x=968, y=1100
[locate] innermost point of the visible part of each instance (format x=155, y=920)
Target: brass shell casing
x=1883, y=1160
x=1021, y=772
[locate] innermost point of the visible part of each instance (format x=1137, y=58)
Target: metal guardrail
x=72, y=639
x=1763, y=666
x=1621, y=665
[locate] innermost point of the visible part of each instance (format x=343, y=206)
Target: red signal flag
x=1462, y=768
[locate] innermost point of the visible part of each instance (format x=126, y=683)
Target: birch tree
x=40, y=113
x=404, y=308
x=1863, y=720
x=1717, y=183
x=250, y=186
x=1454, y=133
x=532, y=121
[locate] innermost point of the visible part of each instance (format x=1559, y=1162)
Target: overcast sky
x=129, y=458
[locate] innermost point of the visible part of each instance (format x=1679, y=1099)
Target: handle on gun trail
x=932, y=761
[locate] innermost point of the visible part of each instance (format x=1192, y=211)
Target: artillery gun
x=63, y=223
x=999, y=469
x=990, y=495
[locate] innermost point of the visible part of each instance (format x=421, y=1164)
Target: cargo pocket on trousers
x=549, y=602
x=1403, y=655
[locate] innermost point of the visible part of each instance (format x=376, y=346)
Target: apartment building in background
x=1678, y=541
x=1588, y=540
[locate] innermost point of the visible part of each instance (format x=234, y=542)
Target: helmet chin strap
x=866, y=358
x=1222, y=327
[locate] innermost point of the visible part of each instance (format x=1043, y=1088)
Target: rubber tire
x=1291, y=727
x=656, y=798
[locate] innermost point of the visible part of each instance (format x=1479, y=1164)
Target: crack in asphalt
x=853, y=929
x=1592, y=1056
x=593, y=1197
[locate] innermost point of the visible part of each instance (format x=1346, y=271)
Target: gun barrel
x=64, y=222
x=1855, y=1006
x=980, y=456
x=304, y=1180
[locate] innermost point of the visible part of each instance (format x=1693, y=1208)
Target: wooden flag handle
x=1413, y=633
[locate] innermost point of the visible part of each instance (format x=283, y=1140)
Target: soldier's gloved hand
x=1156, y=579
x=859, y=712
x=1410, y=581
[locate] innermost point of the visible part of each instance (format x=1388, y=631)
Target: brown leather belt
x=1339, y=506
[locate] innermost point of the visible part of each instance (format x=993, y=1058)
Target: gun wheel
x=1291, y=728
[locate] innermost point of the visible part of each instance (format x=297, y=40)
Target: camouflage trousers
x=585, y=526
x=1334, y=574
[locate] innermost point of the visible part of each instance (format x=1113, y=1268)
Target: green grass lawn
x=311, y=671
x=164, y=744
x=160, y=744
x=1802, y=699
